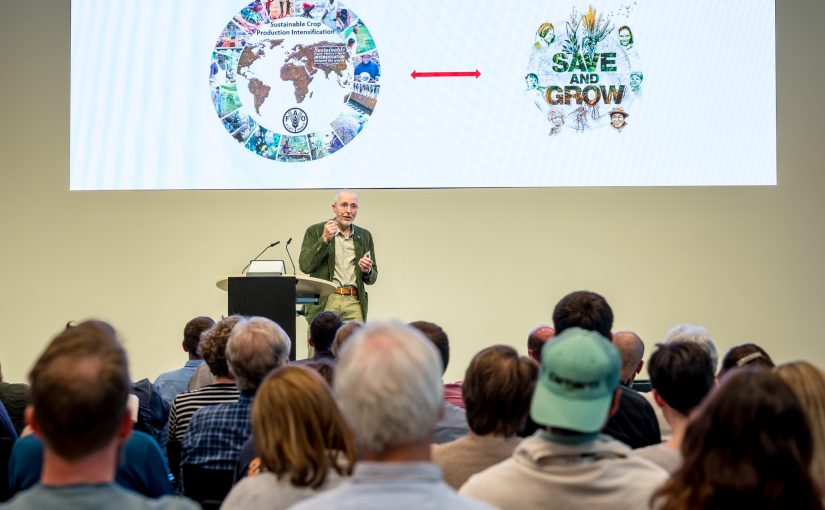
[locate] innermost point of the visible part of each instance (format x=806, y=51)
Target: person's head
x=365, y=58
x=531, y=80
x=583, y=309
x=345, y=207
x=617, y=118
x=681, y=374
x=325, y=368
x=297, y=427
x=636, y=78
x=497, y=389
x=256, y=346
x=546, y=32
x=79, y=388
x=625, y=36
x=556, y=118
x=696, y=334
x=747, y=447
x=192, y=334
x=322, y=330
x=213, y=345
x=438, y=337
x=808, y=384
x=632, y=350
x=578, y=381
x=343, y=334
x=536, y=339
x=399, y=403
x=745, y=354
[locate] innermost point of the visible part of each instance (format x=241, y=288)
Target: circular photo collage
x=294, y=81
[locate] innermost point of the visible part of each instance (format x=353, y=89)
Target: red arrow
x=418, y=74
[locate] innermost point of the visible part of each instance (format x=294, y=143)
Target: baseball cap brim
x=550, y=409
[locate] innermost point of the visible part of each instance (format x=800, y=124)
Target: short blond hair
x=298, y=428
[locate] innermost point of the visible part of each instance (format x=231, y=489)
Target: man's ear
x=310, y=342
x=639, y=368
x=658, y=398
x=183, y=346
x=125, y=428
x=614, y=407
x=28, y=416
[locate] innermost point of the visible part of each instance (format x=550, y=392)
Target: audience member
x=748, y=447
x=632, y=350
x=683, y=333
x=808, y=384
x=302, y=441
x=216, y=433
x=153, y=411
x=142, y=468
x=536, y=339
x=745, y=354
x=322, y=331
x=571, y=466
x=497, y=389
x=681, y=374
x=79, y=388
x=343, y=334
x=453, y=421
x=392, y=414
x=14, y=397
x=171, y=384
x=696, y=334
x=223, y=391
x=635, y=422
x=249, y=463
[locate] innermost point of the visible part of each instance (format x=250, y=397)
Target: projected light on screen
x=217, y=94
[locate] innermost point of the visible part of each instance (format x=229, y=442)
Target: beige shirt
x=344, y=274
x=471, y=454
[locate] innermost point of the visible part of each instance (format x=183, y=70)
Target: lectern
x=274, y=297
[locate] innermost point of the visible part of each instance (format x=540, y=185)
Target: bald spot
x=632, y=350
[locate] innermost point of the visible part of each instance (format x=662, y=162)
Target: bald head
x=632, y=349
x=537, y=338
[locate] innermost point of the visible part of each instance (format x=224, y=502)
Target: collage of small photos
x=270, y=137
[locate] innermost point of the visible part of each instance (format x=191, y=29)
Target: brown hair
x=343, y=334
x=749, y=447
x=298, y=428
x=497, y=389
x=79, y=388
x=213, y=345
x=808, y=383
x=192, y=332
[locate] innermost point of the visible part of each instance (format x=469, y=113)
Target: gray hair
x=345, y=190
x=256, y=346
x=697, y=334
x=388, y=383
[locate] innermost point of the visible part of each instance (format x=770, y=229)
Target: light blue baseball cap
x=578, y=377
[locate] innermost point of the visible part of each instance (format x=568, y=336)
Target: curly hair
x=213, y=345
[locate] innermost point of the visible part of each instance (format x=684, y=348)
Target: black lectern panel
x=272, y=297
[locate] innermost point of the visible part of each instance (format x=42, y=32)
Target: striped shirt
x=187, y=403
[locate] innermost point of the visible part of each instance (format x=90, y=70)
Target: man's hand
x=365, y=263
x=330, y=230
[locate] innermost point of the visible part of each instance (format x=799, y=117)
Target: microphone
x=286, y=246
x=258, y=255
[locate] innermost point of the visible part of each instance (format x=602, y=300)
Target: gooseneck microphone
x=286, y=246
x=258, y=255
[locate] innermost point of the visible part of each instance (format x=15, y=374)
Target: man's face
x=635, y=82
x=365, y=59
x=624, y=37
x=617, y=120
x=345, y=208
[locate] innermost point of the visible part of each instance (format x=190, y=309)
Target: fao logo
x=295, y=120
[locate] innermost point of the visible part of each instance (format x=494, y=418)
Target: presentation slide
x=223, y=94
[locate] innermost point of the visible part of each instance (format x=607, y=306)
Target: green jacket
x=317, y=259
